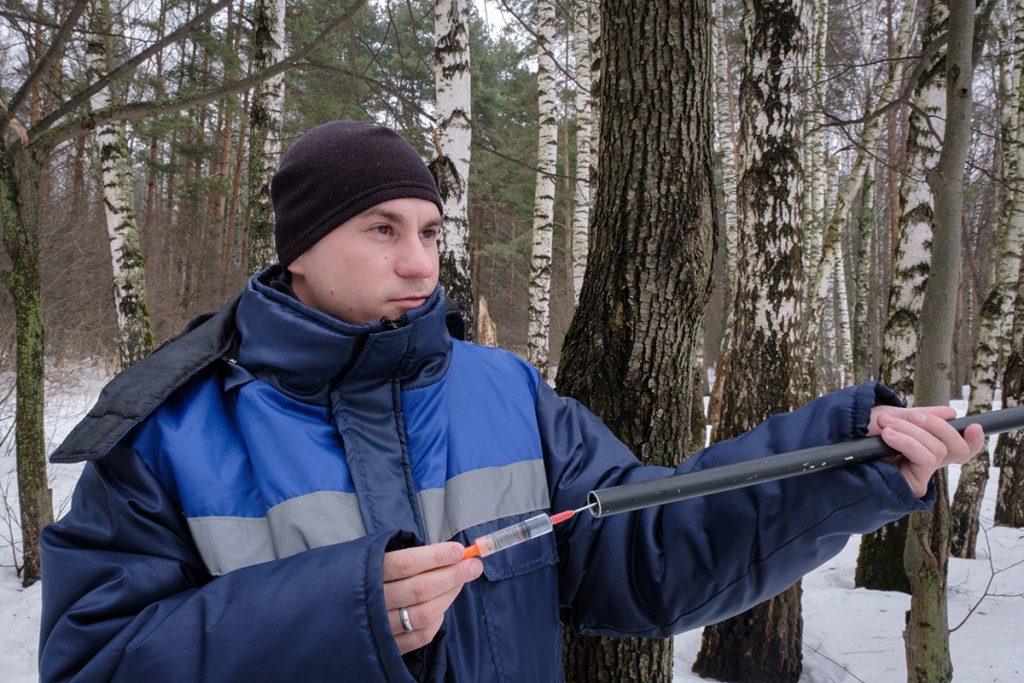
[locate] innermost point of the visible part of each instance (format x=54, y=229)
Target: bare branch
x=142, y=110
x=124, y=69
x=56, y=49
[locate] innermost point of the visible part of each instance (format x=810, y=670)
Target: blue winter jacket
x=246, y=479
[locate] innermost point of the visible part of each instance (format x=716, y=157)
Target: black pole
x=629, y=497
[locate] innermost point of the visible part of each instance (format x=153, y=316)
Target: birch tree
x=764, y=642
x=544, y=197
x=628, y=350
x=265, y=117
x=584, y=126
x=819, y=282
x=1009, y=455
x=880, y=559
x=927, y=553
x=135, y=333
x=991, y=344
x=862, y=370
x=450, y=166
x=23, y=156
x=725, y=135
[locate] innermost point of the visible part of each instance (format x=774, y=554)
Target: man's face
x=382, y=262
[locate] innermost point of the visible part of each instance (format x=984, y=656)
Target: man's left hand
x=925, y=440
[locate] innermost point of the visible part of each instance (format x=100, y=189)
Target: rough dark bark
x=628, y=350
x=763, y=378
x=19, y=206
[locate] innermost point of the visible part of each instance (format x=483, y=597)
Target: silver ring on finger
x=403, y=617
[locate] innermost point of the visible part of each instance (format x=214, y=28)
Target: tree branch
x=56, y=49
x=124, y=69
x=142, y=110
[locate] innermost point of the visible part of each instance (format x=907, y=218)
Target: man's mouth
x=410, y=301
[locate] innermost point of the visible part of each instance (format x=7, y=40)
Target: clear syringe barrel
x=513, y=535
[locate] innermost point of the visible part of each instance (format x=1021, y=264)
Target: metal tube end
x=594, y=503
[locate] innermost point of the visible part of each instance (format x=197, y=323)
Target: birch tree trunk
x=815, y=153
x=454, y=135
x=584, y=126
x=725, y=134
x=1009, y=455
x=544, y=197
x=927, y=553
x=822, y=270
x=862, y=370
x=135, y=331
x=992, y=342
x=844, y=352
x=764, y=642
x=628, y=350
x=880, y=559
x=265, y=118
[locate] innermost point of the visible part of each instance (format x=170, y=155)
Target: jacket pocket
x=519, y=593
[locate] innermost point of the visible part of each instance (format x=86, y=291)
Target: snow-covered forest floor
x=849, y=634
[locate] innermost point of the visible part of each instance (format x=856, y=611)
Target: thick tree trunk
x=454, y=133
x=880, y=561
x=927, y=553
x=544, y=197
x=19, y=206
x=135, y=330
x=584, y=126
x=991, y=344
x=764, y=643
x=265, y=118
x=628, y=350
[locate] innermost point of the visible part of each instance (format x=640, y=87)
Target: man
x=285, y=490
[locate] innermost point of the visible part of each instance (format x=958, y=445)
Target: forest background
x=863, y=86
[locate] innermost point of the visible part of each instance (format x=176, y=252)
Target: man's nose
x=416, y=259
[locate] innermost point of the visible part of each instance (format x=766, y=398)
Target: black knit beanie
x=336, y=171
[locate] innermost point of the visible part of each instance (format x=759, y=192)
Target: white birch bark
x=584, y=126
x=454, y=136
x=265, y=117
x=135, y=335
x=822, y=272
x=992, y=342
x=845, y=336
x=913, y=250
x=544, y=197
x=725, y=134
x=815, y=152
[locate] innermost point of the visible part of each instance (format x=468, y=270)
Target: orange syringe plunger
x=516, y=534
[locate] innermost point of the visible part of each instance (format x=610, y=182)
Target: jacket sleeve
x=126, y=597
x=669, y=568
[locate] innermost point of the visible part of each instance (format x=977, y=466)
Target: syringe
x=515, y=534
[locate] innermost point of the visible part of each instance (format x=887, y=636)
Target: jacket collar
x=304, y=352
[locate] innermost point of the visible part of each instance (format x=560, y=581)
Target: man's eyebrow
x=395, y=217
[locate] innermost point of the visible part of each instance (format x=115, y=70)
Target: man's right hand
x=425, y=582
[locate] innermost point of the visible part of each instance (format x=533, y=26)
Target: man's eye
x=382, y=229
x=429, y=234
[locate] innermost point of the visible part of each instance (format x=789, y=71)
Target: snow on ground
x=849, y=634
